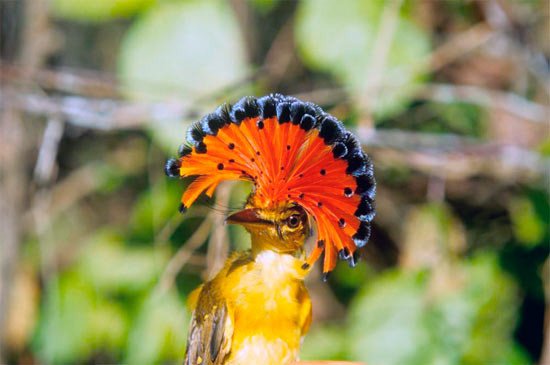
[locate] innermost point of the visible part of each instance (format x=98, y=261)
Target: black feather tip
x=172, y=168
x=361, y=237
x=331, y=129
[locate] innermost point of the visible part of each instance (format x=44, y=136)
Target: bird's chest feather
x=267, y=304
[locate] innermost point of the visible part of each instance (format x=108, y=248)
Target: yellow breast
x=271, y=309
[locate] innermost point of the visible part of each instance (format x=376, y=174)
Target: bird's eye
x=293, y=221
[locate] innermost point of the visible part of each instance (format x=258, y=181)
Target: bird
x=309, y=176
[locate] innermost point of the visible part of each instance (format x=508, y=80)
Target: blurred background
x=449, y=98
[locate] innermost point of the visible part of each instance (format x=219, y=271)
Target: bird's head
x=306, y=168
x=282, y=229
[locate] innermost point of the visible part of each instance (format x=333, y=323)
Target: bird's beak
x=247, y=218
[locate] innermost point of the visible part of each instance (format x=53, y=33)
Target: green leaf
x=422, y=318
x=76, y=322
x=386, y=321
x=181, y=51
x=113, y=268
x=529, y=228
x=154, y=208
x=263, y=6
x=326, y=342
x=97, y=10
x=494, y=296
x=442, y=236
x=160, y=332
x=544, y=147
x=341, y=39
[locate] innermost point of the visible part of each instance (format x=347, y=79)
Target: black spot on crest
x=348, y=192
x=260, y=124
x=231, y=145
x=182, y=208
x=220, y=166
x=323, y=172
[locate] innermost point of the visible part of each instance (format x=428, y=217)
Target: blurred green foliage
x=452, y=295
x=458, y=118
x=98, y=10
x=342, y=40
x=468, y=324
x=170, y=54
x=104, y=303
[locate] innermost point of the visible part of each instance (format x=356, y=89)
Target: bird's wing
x=193, y=298
x=209, y=340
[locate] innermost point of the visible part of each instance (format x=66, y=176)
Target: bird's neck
x=280, y=262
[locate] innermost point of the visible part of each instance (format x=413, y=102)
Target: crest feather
x=293, y=152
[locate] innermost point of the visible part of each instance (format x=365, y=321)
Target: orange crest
x=293, y=152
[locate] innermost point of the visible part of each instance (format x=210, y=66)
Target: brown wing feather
x=209, y=340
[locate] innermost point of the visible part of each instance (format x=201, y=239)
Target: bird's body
x=256, y=309
x=268, y=309
x=307, y=171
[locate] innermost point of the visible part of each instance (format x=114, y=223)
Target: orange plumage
x=311, y=161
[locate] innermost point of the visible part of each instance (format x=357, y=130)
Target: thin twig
x=36, y=42
x=45, y=164
x=382, y=45
x=182, y=256
x=172, y=224
x=218, y=245
x=491, y=99
x=464, y=158
x=458, y=46
x=88, y=83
